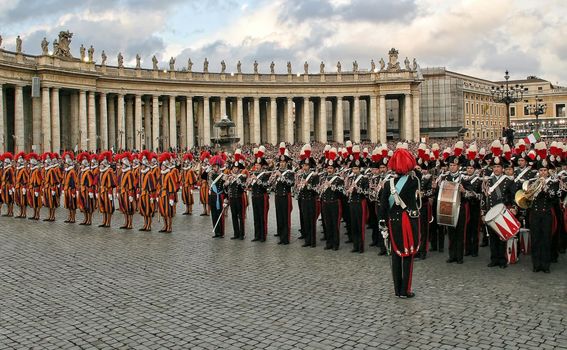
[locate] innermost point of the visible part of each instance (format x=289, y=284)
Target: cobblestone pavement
x=66, y=286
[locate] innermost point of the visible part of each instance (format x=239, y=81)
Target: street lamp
x=507, y=94
x=537, y=109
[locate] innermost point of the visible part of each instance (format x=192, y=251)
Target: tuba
x=525, y=196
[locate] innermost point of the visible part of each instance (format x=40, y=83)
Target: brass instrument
x=525, y=196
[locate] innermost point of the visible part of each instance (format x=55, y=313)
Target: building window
x=560, y=110
x=526, y=111
x=512, y=111
x=477, y=108
x=467, y=122
x=467, y=108
x=539, y=88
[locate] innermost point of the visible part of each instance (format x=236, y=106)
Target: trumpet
x=525, y=196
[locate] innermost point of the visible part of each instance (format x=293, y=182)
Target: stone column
x=408, y=130
x=306, y=121
x=74, y=100
x=416, y=124
x=120, y=119
x=2, y=128
x=373, y=127
x=182, y=140
x=36, y=124
x=45, y=120
x=172, y=123
x=103, y=115
x=165, y=122
x=138, y=122
x=273, y=121
x=206, y=122
x=112, y=122
x=155, y=122
x=339, y=127
x=257, y=132
x=19, y=119
x=129, y=125
x=239, y=119
x=383, y=125
x=82, y=120
x=55, y=121
x=355, y=132
x=147, y=123
x=190, y=135
x=289, y=121
x=222, y=106
x=323, y=120
x=92, y=122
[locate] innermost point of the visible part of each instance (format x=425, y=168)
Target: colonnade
x=85, y=119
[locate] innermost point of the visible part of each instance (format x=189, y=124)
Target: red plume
x=402, y=161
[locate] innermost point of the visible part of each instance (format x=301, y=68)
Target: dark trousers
x=346, y=216
x=497, y=249
x=540, y=233
x=457, y=234
x=373, y=221
x=309, y=220
x=358, y=223
x=402, y=269
x=301, y=229
x=237, y=214
x=260, y=208
x=283, y=217
x=473, y=228
x=331, y=213
x=215, y=214
x=424, y=215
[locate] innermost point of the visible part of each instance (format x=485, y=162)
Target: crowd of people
x=409, y=196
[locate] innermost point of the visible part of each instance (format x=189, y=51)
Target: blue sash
x=216, y=191
x=399, y=186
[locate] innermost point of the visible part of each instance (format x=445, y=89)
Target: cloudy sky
x=476, y=37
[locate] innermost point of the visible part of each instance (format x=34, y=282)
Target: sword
x=224, y=206
x=385, y=235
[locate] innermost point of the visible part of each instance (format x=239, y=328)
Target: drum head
x=493, y=212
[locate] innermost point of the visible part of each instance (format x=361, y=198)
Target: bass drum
x=448, y=203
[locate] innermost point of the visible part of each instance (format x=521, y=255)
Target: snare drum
x=525, y=244
x=448, y=203
x=512, y=255
x=502, y=221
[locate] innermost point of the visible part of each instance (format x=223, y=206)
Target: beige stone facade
x=83, y=105
x=553, y=122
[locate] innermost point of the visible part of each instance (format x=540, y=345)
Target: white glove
x=96, y=195
x=53, y=193
x=137, y=196
x=171, y=202
x=36, y=194
x=130, y=198
x=24, y=191
x=151, y=200
x=10, y=192
x=110, y=196
x=91, y=195
x=77, y=193
x=385, y=234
